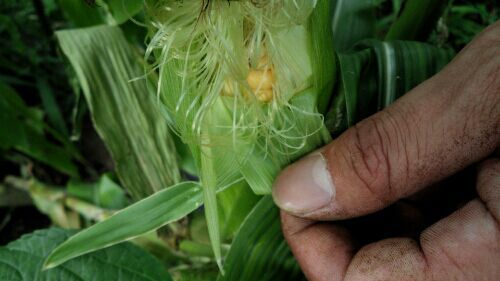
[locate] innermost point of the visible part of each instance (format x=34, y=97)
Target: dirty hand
x=447, y=123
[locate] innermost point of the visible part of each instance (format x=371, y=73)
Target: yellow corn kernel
x=258, y=79
x=264, y=95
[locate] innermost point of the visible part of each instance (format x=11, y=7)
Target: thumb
x=443, y=125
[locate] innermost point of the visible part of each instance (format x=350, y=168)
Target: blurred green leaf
x=51, y=107
x=125, y=113
x=123, y=10
x=194, y=248
x=235, y=203
x=463, y=21
x=104, y=193
x=195, y=274
x=151, y=213
x=23, y=129
x=81, y=13
x=259, y=251
x=352, y=21
x=50, y=201
x=417, y=19
x=198, y=230
x=22, y=260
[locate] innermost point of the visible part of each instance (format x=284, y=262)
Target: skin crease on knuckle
x=378, y=155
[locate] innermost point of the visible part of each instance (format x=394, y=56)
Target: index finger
x=445, y=124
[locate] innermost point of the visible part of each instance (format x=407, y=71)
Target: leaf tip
x=49, y=261
x=48, y=265
x=221, y=267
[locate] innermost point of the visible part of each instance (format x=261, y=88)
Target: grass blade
x=209, y=181
x=144, y=216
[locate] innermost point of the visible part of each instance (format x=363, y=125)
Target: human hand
x=445, y=124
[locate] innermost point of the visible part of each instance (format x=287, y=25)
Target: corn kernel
x=260, y=79
x=264, y=95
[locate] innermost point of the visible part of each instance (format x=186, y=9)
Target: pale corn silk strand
x=209, y=48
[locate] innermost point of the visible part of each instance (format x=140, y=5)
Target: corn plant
x=225, y=95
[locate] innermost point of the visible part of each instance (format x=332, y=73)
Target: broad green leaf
x=125, y=113
x=259, y=251
x=352, y=21
x=151, y=213
x=23, y=129
x=22, y=260
x=417, y=19
x=377, y=73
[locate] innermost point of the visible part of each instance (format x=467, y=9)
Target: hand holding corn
x=444, y=125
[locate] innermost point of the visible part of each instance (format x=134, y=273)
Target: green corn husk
x=202, y=48
x=205, y=52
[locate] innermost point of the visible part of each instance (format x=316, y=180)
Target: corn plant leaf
x=235, y=203
x=321, y=46
x=376, y=73
x=122, y=10
x=151, y=213
x=23, y=129
x=352, y=21
x=259, y=251
x=209, y=183
x=416, y=20
x=81, y=13
x=51, y=107
x=22, y=260
x=125, y=114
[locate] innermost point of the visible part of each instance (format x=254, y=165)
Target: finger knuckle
x=380, y=154
x=369, y=157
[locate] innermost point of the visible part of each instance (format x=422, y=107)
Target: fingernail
x=304, y=186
